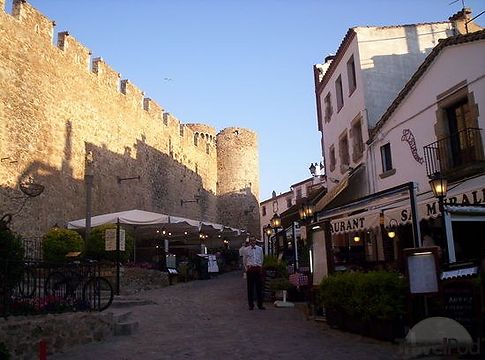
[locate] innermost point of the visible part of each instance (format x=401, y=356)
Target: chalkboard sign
x=459, y=303
x=422, y=270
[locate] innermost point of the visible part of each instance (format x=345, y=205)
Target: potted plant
x=283, y=285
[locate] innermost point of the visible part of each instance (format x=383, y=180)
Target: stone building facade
x=64, y=115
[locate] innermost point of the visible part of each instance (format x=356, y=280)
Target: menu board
x=459, y=303
x=110, y=240
x=423, y=278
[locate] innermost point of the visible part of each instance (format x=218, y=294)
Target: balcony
x=456, y=156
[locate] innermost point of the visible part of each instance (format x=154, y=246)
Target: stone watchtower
x=238, y=179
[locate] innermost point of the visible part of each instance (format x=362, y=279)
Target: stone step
x=125, y=328
x=126, y=302
x=121, y=317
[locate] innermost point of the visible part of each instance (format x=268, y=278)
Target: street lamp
x=268, y=231
x=275, y=223
x=313, y=169
x=439, y=185
x=306, y=211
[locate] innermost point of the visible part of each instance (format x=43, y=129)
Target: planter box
x=356, y=325
x=386, y=330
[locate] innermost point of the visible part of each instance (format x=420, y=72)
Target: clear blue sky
x=245, y=63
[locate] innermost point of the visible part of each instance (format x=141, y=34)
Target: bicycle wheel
x=98, y=293
x=27, y=284
x=56, y=285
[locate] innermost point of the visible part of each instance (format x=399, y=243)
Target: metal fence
x=32, y=248
x=33, y=287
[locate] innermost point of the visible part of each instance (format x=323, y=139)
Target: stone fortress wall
x=58, y=103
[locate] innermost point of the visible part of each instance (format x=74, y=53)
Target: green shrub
x=11, y=249
x=280, y=284
x=95, y=246
x=272, y=263
x=56, y=243
x=377, y=294
x=4, y=353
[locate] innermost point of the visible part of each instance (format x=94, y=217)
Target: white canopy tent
x=132, y=217
x=150, y=224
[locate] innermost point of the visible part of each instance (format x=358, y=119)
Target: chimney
x=329, y=57
x=462, y=22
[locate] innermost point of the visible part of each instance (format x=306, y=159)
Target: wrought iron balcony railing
x=455, y=152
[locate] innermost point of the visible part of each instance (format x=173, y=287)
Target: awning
x=177, y=226
x=355, y=223
x=330, y=195
x=134, y=217
x=464, y=197
x=364, y=213
x=459, y=273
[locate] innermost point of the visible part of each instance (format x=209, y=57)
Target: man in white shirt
x=253, y=255
x=242, y=256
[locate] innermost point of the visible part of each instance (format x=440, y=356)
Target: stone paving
x=209, y=319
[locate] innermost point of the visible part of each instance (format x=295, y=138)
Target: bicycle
x=96, y=292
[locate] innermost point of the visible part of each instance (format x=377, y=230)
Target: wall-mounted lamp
x=356, y=239
x=120, y=179
x=196, y=200
x=391, y=233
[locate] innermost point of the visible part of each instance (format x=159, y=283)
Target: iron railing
x=454, y=152
x=32, y=248
x=32, y=287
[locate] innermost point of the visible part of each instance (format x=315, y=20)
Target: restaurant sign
x=431, y=209
x=360, y=222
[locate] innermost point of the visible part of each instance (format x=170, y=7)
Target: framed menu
x=422, y=270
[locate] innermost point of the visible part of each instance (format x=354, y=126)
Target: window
x=263, y=211
x=461, y=141
x=333, y=159
x=386, y=157
x=328, y=107
x=339, y=93
x=459, y=137
x=207, y=148
x=298, y=193
x=344, y=152
x=165, y=119
x=357, y=142
x=288, y=202
x=196, y=139
x=181, y=130
x=351, y=75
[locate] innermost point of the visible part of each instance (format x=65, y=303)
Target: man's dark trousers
x=255, y=281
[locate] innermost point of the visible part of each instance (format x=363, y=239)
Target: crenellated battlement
x=74, y=49
x=32, y=18
x=204, y=132
x=106, y=75
x=133, y=93
x=153, y=108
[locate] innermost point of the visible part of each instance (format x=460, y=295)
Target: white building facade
x=354, y=91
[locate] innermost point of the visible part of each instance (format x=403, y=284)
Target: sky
x=242, y=63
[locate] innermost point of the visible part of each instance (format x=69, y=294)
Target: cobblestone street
x=209, y=319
